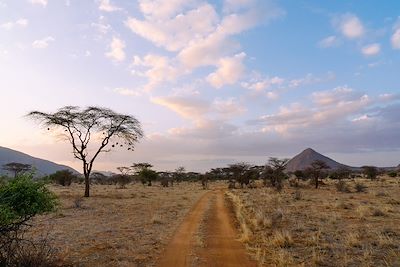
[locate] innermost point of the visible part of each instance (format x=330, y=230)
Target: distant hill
x=43, y=167
x=305, y=158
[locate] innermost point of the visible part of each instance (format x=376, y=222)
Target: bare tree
x=80, y=126
x=17, y=168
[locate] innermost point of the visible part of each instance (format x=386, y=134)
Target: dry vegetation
x=330, y=226
x=116, y=227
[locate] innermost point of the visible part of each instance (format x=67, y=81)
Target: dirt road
x=219, y=237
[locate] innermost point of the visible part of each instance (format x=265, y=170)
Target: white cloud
x=10, y=24
x=371, y=49
x=187, y=107
x=263, y=84
x=229, y=71
x=7, y=25
x=116, y=52
x=350, y=26
x=43, y=43
x=22, y=22
x=39, y=2
x=311, y=79
x=126, y=91
x=157, y=69
x=395, y=40
x=227, y=107
x=326, y=98
x=105, y=5
x=329, y=41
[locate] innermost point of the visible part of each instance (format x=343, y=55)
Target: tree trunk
x=316, y=182
x=87, y=185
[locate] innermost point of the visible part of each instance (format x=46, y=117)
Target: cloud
x=349, y=25
x=43, y=43
x=329, y=41
x=101, y=26
x=197, y=35
x=158, y=69
x=116, y=52
x=311, y=79
x=262, y=84
x=229, y=71
x=187, y=107
x=331, y=106
x=371, y=49
x=105, y=5
x=39, y=2
x=395, y=39
x=10, y=24
x=126, y=91
x=338, y=94
x=227, y=108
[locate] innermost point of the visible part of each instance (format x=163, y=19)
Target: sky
x=212, y=82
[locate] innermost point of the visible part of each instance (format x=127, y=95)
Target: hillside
x=305, y=158
x=43, y=167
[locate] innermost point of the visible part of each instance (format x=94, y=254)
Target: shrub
x=360, y=187
x=64, y=177
x=20, y=200
x=341, y=186
x=298, y=195
x=122, y=180
x=392, y=174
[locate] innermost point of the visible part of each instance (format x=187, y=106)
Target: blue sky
x=213, y=82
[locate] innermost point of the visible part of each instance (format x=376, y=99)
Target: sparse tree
x=180, y=174
x=144, y=171
x=100, y=127
x=17, y=168
x=239, y=173
x=317, y=171
x=278, y=171
x=370, y=171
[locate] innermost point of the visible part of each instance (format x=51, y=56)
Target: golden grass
x=322, y=227
x=116, y=227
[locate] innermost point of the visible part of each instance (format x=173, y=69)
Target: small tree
x=146, y=174
x=21, y=199
x=17, y=168
x=80, y=126
x=370, y=171
x=239, y=174
x=278, y=167
x=180, y=174
x=317, y=171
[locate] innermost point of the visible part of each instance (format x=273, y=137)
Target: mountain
x=305, y=158
x=43, y=167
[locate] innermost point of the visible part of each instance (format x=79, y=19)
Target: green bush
x=392, y=174
x=20, y=200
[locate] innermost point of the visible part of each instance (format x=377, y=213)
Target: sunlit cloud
x=371, y=49
x=349, y=25
x=116, y=52
x=43, y=43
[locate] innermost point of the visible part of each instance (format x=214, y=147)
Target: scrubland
x=115, y=227
x=304, y=226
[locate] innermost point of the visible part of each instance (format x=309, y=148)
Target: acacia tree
x=278, y=171
x=317, y=170
x=95, y=125
x=17, y=168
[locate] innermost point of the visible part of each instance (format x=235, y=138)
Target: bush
x=20, y=200
x=392, y=174
x=122, y=180
x=360, y=188
x=64, y=177
x=341, y=186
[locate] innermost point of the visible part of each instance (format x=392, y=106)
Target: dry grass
x=322, y=227
x=116, y=227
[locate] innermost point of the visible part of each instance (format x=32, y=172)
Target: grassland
x=303, y=226
x=116, y=227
